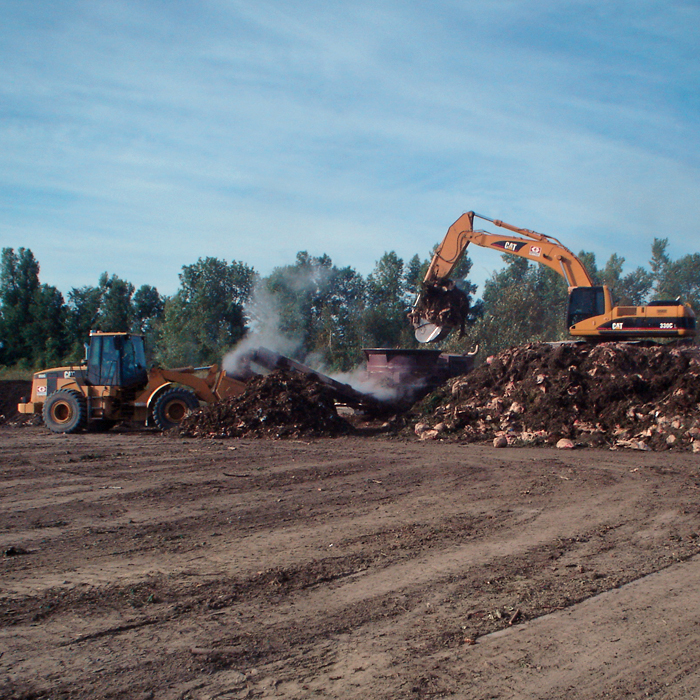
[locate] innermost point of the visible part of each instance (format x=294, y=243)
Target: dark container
x=412, y=373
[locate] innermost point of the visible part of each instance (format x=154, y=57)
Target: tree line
x=326, y=312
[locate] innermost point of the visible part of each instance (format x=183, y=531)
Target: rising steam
x=263, y=316
x=264, y=319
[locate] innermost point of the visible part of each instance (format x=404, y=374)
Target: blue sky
x=136, y=137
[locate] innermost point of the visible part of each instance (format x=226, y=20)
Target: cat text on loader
x=441, y=306
x=113, y=385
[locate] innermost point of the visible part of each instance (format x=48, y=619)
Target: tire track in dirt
x=430, y=547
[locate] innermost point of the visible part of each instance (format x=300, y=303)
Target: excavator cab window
x=116, y=360
x=585, y=302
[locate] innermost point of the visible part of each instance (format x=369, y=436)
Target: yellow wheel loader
x=112, y=385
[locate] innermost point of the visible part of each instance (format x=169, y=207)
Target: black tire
x=172, y=406
x=65, y=411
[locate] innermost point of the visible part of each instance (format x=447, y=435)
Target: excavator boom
x=534, y=246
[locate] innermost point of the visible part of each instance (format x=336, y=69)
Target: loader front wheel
x=65, y=411
x=172, y=406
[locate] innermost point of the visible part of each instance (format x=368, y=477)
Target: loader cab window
x=116, y=361
x=585, y=302
x=133, y=361
x=103, y=361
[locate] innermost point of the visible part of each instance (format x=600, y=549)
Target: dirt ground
x=141, y=565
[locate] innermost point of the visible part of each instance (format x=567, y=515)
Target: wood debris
x=620, y=395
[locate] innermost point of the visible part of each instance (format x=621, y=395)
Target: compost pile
x=11, y=392
x=614, y=394
x=278, y=405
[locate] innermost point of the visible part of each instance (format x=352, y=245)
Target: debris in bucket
x=615, y=394
x=278, y=405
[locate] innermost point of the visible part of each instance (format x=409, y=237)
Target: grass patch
x=13, y=373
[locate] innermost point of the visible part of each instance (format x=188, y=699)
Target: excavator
x=441, y=306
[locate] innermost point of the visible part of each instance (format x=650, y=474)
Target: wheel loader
x=112, y=385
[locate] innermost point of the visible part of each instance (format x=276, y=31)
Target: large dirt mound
x=11, y=391
x=613, y=393
x=277, y=405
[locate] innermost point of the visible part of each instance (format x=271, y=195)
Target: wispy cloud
x=137, y=137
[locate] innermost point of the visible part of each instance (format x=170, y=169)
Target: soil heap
x=11, y=392
x=278, y=405
x=612, y=394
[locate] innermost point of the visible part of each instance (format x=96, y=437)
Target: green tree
x=81, y=317
x=339, y=333
x=32, y=315
x=115, y=314
x=414, y=273
x=681, y=280
x=385, y=321
x=316, y=306
x=148, y=309
x=635, y=288
x=521, y=303
x=148, y=306
x=629, y=289
x=298, y=293
x=659, y=260
x=675, y=279
x=19, y=281
x=47, y=328
x=205, y=318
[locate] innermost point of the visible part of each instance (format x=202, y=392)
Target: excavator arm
x=534, y=246
x=441, y=306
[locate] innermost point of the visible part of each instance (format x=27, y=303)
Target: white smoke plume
x=361, y=381
x=264, y=321
x=262, y=312
x=263, y=316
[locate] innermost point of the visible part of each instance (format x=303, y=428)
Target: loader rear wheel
x=65, y=411
x=172, y=406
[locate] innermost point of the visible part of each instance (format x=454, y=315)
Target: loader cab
x=586, y=302
x=116, y=359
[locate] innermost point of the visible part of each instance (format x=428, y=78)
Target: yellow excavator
x=441, y=306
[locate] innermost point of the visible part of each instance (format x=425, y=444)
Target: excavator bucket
x=427, y=332
x=438, y=309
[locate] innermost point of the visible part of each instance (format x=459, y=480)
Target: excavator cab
x=585, y=302
x=116, y=360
